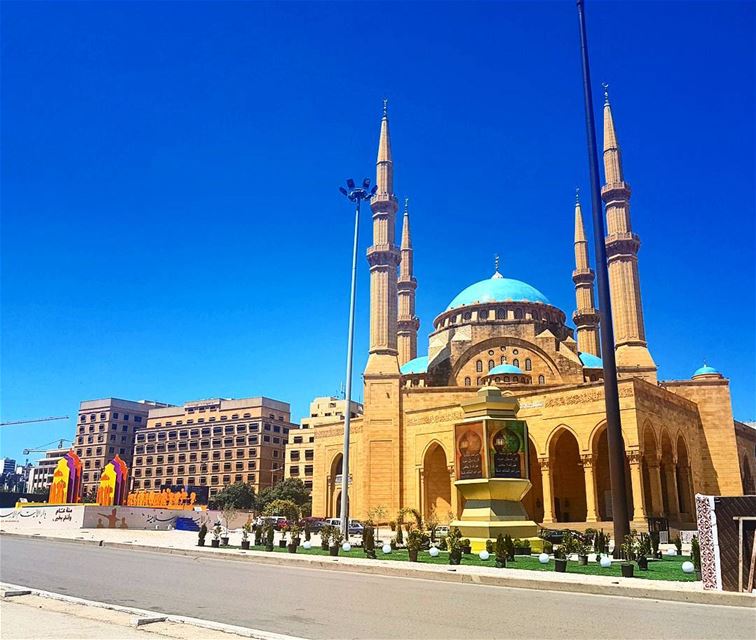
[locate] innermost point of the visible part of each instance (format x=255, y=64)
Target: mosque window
x=483, y=314
x=468, y=382
x=541, y=380
x=467, y=315
x=518, y=314
x=479, y=366
x=498, y=379
x=516, y=362
x=506, y=378
x=478, y=381
x=503, y=359
x=528, y=365
x=501, y=314
x=491, y=364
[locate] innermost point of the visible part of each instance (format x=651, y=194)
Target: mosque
x=679, y=434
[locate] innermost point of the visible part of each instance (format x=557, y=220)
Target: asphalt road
x=315, y=603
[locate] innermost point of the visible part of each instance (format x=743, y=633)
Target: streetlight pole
x=357, y=195
x=615, y=442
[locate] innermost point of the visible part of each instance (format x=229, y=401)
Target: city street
x=315, y=603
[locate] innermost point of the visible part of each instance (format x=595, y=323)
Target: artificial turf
x=668, y=568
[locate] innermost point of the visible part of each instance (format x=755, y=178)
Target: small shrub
x=489, y=546
x=695, y=553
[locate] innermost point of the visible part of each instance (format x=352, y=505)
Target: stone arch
x=667, y=472
x=557, y=432
x=685, y=498
x=568, y=480
x=533, y=500
x=334, y=486
x=437, y=488
x=650, y=463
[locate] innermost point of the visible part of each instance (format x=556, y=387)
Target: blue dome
x=590, y=361
x=505, y=369
x=418, y=365
x=706, y=370
x=497, y=289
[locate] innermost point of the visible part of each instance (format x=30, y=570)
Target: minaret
x=383, y=257
x=633, y=356
x=586, y=316
x=408, y=323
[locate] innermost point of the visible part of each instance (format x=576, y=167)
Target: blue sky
x=172, y=227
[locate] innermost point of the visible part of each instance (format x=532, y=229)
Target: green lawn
x=669, y=568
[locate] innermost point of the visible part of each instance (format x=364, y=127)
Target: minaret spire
x=586, y=316
x=408, y=323
x=633, y=356
x=383, y=257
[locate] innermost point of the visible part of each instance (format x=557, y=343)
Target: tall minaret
x=586, y=316
x=633, y=356
x=383, y=257
x=408, y=322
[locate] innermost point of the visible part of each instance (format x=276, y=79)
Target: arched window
x=503, y=359
x=468, y=382
x=518, y=314
x=541, y=380
x=479, y=366
x=467, y=315
x=528, y=364
x=516, y=362
x=506, y=378
x=478, y=381
x=498, y=379
x=491, y=364
x=501, y=314
x=482, y=314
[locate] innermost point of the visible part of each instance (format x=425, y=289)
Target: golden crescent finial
x=496, y=262
x=577, y=195
x=385, y=107
x=606, y=92
x=406, y=205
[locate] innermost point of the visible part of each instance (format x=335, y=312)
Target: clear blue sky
x=172, y=227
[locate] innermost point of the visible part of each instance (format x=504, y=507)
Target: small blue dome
x=418, y=365
x=590, y=361
x=505, y=369
x=497, y=289
x=706, y=370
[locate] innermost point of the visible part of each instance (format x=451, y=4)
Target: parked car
x=315, y=524
x=278, y=521
x=355, y=526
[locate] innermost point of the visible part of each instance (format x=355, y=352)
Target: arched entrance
x=684, y=481
x=603, y=479
x=436, y=483
x=533, y=500
x=650, y=471
x=667, y=472
x=567, y=478
x=334, y=487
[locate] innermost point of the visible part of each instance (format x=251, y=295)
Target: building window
x=516, y=362
x=541, y=380
x=479, y=366
x=518, y=314
x=491, y=364
x=501, y=314
x=528, y=365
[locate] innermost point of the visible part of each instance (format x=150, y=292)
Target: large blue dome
x=497, y=289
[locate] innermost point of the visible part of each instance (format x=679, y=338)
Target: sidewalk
x=184, y=543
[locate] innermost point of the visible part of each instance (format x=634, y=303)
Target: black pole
x=615, y=442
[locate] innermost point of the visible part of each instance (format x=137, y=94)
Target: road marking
x=153, y=616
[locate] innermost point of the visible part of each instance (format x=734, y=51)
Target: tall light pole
x=615, y=442
x=357, y=195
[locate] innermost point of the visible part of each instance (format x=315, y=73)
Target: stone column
x=590, y=488
x=454, y=494
x=670, y=473
x=654, y=474
x=548, y=501
x=420, y=493
x=636, y=480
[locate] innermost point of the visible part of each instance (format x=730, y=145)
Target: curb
x=370, y=567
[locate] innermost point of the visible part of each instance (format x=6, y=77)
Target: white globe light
x=346, y=547
x=688, y=567
x=483, y=555
x=605, y=562
x=433, y=551
x=672, y=552
x=543, y=558
x=307, y=544
x=386, y=548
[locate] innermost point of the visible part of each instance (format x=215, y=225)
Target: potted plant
x=453, y=543
x=282, y=541
x=368, y=540
x=307, y=532
x=215, y=542
x=229, y=513
x=560, y=559
x=643, y=551
x=582, y=551
x=600, y=544
x=336, y=539
x=655, y=544
x=325, y=536
x=293, y=539
x=414, y=542
x=500, y=551
x=521, y=547
x=201, y=536
x=442, y=544
x=257, y=529
x=678, y=544
x=695, y=554
x=246, y=528
x=489, y=546
x=629, y=549
x=509, y=546
x=525, y=547
x=268, y=534
x=465, y=545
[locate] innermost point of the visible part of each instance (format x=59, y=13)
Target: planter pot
x=269, y=547
x=282, y=544
x=245, y=544
x=413, y=555
x=501, y=563
x=200, y=543
x=224, y=541
x=560, y=565
x=522, y=551
x=334, y=551
x=215, y=543
x=324, y=546
x=467, y=549
x=583, y=560
x=291, y=548
x=627, y=570
x=455, y=557
x=643, y=564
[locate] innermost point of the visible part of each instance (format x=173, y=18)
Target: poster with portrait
x=469, y=451
x=508, y=448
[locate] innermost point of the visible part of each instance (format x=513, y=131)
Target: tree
x=285, y=508
x=292, y=489
x=239, y=496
